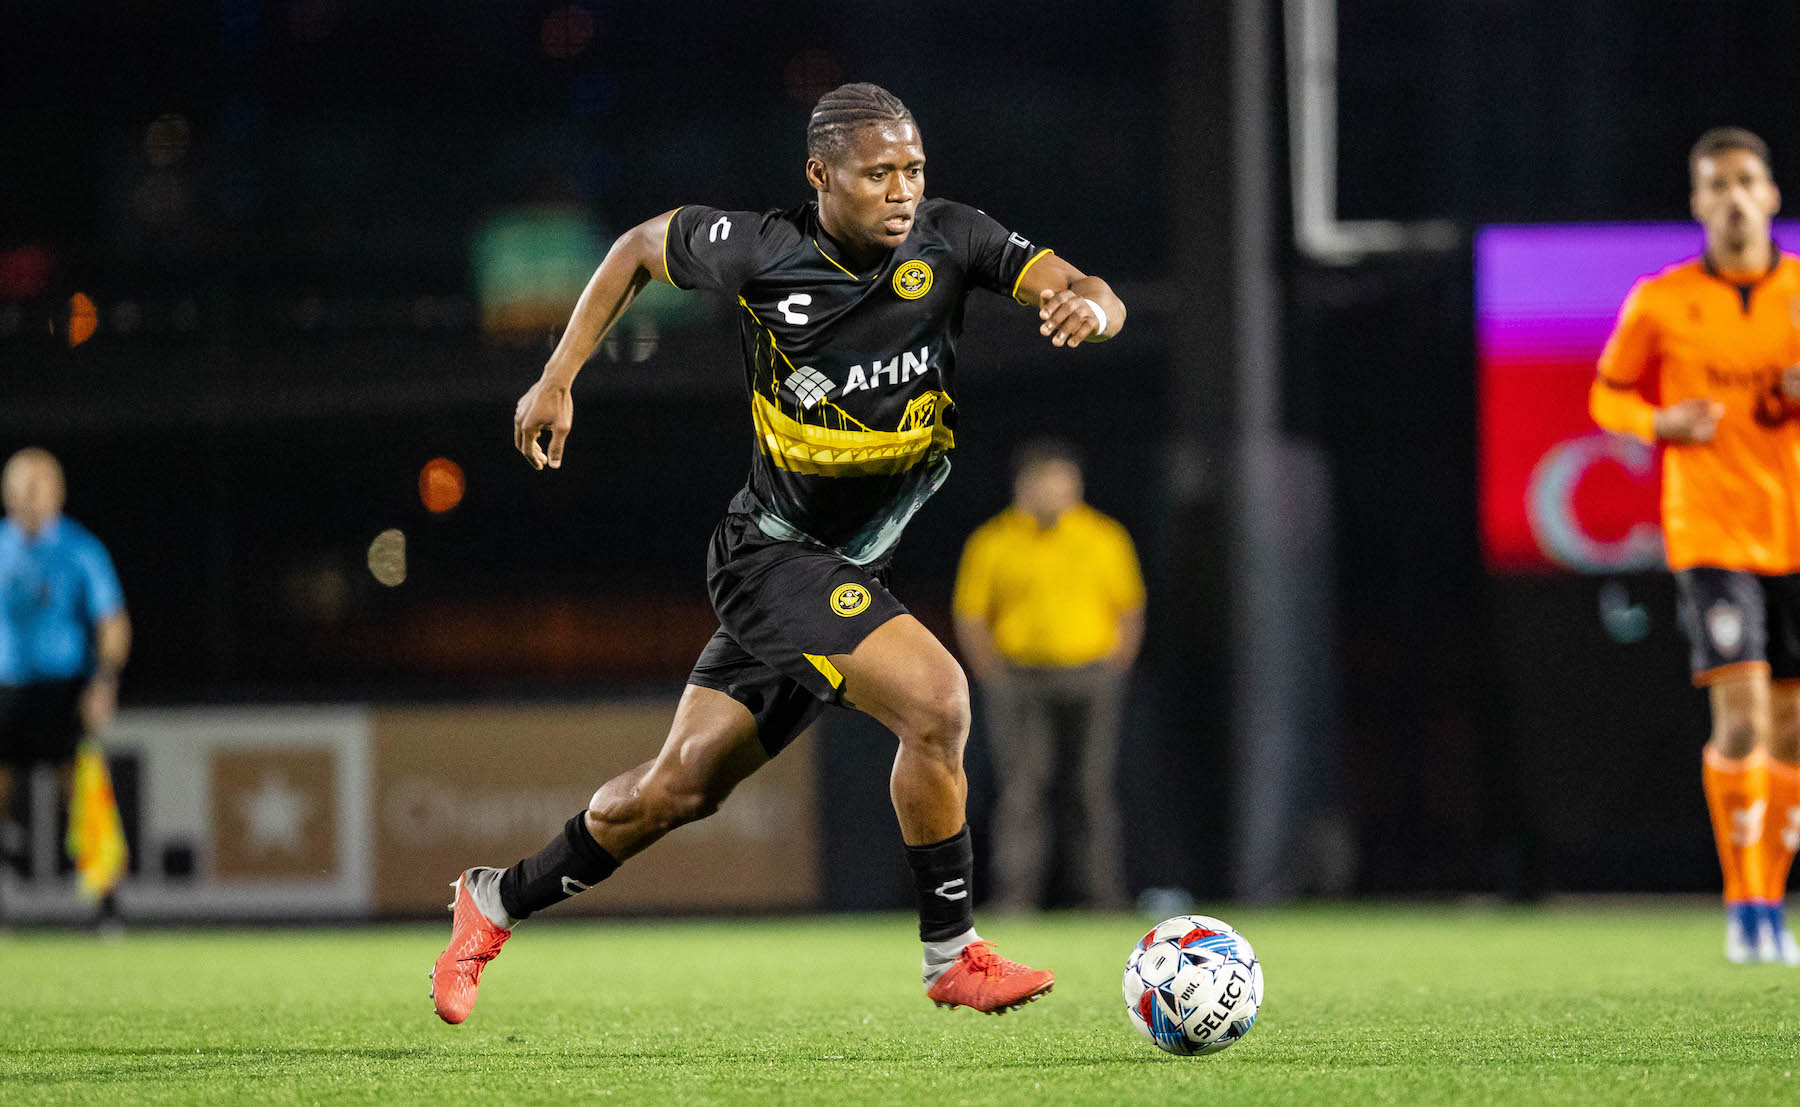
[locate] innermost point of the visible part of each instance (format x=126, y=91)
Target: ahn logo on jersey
x=912, y=280
x=898, y=369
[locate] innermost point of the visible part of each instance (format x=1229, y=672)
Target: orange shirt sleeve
x=1614, y=400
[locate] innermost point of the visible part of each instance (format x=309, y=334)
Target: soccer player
x=1718, y=335
x=851, y=307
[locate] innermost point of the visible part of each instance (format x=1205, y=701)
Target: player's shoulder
x=1674, y=276
x=1667, y=286
x=949, y=217
x=772, y=226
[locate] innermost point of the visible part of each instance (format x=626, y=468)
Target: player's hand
x=546, y=406
x=1067, y=318
x=99, y=703
x=1690, y=422
x=1790, y=384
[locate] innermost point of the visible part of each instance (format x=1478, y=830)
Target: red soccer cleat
x=474, y=941
x=983, y=980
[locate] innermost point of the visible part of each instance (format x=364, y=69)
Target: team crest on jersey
x=1725, y=626
x=849, y=599
x=912, y=280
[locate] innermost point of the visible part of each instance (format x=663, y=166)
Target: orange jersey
x=1733, y=503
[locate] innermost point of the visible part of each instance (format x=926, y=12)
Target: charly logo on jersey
x=849, y=599
x=912, y=280
x=1725, y=626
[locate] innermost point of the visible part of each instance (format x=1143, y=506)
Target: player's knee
x=1784, y=733
x=1739, y=733
x=939, y=720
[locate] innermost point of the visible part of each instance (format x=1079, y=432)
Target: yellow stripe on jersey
x=833, y=261
x=667, y=228
x=1021, y=277
x=824, y=451
x=824, y=665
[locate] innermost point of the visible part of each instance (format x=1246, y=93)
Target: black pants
x=40, y=723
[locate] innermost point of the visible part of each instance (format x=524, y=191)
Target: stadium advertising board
x=240, y=813
x=302, y=812
x=487, y=785
x=1558, y=493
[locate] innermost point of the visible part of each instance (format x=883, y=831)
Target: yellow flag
x=96, y=840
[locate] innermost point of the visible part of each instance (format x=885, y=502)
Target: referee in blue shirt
x=64, y=635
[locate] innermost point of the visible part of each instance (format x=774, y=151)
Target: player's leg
x=712, y=745
x=904, y=677
x=1781, y=830
x=1724, y=615
x=1023, y=740
x=1736, y=779
x=1103, y=852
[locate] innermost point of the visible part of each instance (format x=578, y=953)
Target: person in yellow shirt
x=1049, y=608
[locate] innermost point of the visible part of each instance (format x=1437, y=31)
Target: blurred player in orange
x=1718, y=336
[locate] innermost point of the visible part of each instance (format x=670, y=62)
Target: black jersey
x=851, y=373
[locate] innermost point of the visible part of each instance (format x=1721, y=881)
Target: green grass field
x=1365, y=1005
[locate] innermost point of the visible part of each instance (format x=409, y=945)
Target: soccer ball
x=1193, y=985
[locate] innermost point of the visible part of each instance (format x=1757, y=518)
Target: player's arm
x=1072, y=307
x=635, y=260
x=105, y=611
x=1614, y=401
x=112, y=648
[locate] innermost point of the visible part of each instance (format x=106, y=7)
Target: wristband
x=1101, y=312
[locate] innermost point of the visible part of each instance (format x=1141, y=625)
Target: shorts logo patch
x=849, y=599
x=912, y=280
x=1725, y=626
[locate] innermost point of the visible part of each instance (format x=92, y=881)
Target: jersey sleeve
x=994, y=257
x=973, y=595
x=1615, y=401
x=718, y=250
x=104, y=596
x=1631, y=347
x=1126, y=579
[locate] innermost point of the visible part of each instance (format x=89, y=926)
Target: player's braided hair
x=843, y=110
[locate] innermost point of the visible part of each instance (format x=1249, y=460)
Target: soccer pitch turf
x=1364, y=1005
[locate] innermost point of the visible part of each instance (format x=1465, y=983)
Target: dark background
x=274, y=207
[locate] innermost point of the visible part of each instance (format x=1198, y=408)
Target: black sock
x=944, y=878
x=571, y=862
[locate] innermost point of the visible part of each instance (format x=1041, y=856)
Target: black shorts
x=1736, y=620
x=784, y=608
x=40, y=723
